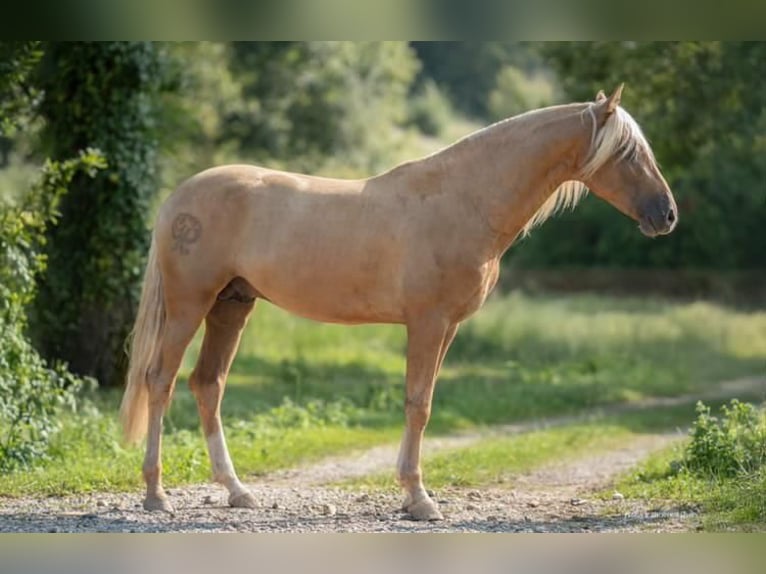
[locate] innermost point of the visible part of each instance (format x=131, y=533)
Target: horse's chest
x=464, y=291
x=483, y=288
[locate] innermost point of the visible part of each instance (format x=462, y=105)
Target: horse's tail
x=144, y=344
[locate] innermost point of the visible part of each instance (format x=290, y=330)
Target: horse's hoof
x=242, y=500
x=424, y=509
x=158, y=503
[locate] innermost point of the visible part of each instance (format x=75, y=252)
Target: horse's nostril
x=671, y=216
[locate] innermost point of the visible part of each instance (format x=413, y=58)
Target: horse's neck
x=511, y=168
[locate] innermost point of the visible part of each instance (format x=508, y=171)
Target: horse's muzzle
x=660, y=220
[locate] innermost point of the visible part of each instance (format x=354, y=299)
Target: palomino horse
x=419, y=245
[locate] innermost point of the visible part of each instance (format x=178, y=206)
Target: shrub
x=730, y=446
x=32, y=391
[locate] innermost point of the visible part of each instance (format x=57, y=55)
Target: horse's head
x=621, y=169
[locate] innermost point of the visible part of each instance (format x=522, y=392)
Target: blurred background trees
x=703, y=108
x=157, y=113
x=32, y=390
x=101, y=95
x=310, y=101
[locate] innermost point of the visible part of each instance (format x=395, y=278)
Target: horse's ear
x=614, y=99
x=605, y=107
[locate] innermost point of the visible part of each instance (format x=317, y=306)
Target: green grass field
x=299, y=390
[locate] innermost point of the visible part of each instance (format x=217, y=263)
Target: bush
x=730, y=446
x=430, y=110
x=32, y=392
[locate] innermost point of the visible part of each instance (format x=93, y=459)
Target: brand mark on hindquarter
x=187, y=230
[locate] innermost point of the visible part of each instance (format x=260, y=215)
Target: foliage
x=307, y=101
x=313, y=414
x=193, y=114
x=733, y=445
x=468, y=71
x=719, y=470
x=102, y=95
x=517, y=92
x=17, y=94
x=430, y=110
x=703, y=107
x=31, y=395
x=18, y=97
x=32, y=392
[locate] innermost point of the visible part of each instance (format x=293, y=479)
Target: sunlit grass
x=725, y=501
x=497, y=461
x=90, y=458
x=520, y=358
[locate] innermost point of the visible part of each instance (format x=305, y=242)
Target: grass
x=725, y=504
x=98, y=463
x=300, y=390
x=697, y=473
x=495, y=461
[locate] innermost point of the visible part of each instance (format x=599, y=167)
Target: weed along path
x=561, y=491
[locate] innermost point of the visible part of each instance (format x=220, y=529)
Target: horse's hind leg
x=181, y=323
x=223, y=328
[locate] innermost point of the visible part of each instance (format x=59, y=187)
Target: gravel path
x=555, y=498
x=552, y=499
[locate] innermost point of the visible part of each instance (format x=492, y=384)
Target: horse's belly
x=332, y=299
x=345, y=311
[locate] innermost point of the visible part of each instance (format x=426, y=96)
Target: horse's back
x=261, y=179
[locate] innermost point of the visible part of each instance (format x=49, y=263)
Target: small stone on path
x=329, y=509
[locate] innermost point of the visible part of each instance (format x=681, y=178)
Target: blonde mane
x=620, y=136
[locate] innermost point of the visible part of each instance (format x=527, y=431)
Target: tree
x=517, y=92
x=17, y=93
x=469, y=71
x=703, y=107
x=32, y=390
x=307, y=101
x=100, y=95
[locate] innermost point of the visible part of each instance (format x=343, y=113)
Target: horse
x=418, y=245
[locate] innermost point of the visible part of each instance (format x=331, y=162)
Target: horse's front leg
x=427, y=342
